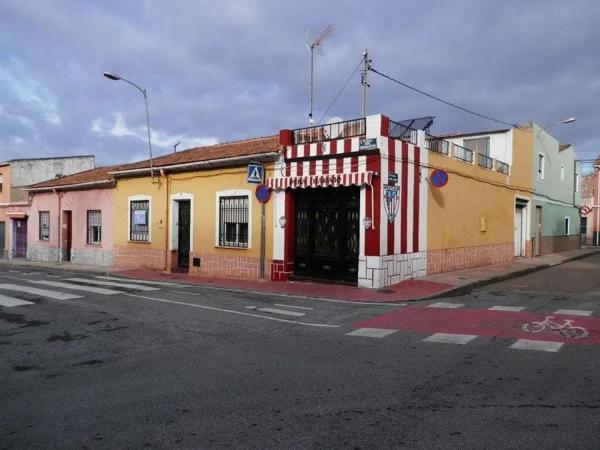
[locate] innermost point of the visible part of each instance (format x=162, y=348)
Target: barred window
x=44, y=225
x=233, y=221
x=94, y=227
x=139, y=220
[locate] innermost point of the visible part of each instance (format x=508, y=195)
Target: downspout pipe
x=59, y=230
x=167, y=218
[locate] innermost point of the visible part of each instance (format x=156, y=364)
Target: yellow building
x=196, y=211
x=480, y=216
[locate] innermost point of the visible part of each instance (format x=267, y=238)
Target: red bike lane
x=543, y=326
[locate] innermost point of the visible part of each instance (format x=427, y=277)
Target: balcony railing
x=462, y=153
x=437, y=145
x=485, y=161
x=403, y=132
x=326, y=132
x=502, y=167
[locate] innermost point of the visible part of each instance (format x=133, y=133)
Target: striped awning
x=313, y=181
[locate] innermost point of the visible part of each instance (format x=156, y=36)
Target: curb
x=467, y=288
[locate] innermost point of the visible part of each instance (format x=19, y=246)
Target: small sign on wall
x=139, y=217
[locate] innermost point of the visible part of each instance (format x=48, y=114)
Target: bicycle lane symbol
x=563, y=327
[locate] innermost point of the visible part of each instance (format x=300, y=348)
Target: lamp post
x=114, y=77
x=567, y=120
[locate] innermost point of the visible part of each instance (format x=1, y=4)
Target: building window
x=44, y=225
x=94, y=227
x=233, y=221
x=478, y=145
x=1, y=182
x=576, y=182
x=562, y=172
x=139, y=220
x=567, y=225
x=540, y=167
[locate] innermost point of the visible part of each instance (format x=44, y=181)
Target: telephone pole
x=364, y=80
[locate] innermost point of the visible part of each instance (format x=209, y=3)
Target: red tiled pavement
x=405, y=291
x=482, y=322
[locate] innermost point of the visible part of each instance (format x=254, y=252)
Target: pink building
x=71, y=219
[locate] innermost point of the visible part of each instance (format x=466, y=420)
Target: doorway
x=20, y=238
x=183, y=234
x=520, y=227
x=67, y=236
x=2, y=239
x=538, y=230
x=327, y=233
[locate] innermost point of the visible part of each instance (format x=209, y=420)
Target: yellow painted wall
x=456, y=210
x=521, y=172
x=203, y=185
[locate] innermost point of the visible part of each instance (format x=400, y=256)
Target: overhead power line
x=340, y=91
x=516, y=125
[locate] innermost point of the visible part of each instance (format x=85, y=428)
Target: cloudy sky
x=224, y=70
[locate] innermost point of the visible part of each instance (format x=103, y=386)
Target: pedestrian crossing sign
x=255, y=173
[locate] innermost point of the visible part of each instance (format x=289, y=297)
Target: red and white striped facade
x=390, y=251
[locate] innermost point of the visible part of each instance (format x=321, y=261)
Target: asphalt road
x=192, y=367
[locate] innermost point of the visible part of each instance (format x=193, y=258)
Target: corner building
x=350, y=203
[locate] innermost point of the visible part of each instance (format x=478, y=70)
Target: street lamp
x=567, y=120
x=114, y=77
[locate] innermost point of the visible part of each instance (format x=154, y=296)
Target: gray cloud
x=218, y=71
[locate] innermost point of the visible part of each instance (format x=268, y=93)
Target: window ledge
x=138, y=242
x=231, y=247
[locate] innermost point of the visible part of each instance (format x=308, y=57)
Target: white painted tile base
x=450, y=338
x=371, y=332
x=541, y=346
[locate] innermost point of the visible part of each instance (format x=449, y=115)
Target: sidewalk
x=431, y=286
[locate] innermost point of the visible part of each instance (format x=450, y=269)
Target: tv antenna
x=313, y=44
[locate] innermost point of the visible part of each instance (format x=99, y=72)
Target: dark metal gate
x=20, y=238
x=327, y=221
x=183, y=235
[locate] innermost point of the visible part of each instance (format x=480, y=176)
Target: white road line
x=128, y=280
x=371, y=332
x=10, y=302
x=573, y=312
x=240, y=313
x=78, y=287
x=542, y=346
x=43, y=292
x=446, y=305
x=507, y=308
x=450, y=338
x=294, y=306
x=304, y=297
x=139, y=287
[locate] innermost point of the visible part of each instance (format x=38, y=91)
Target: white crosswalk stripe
x=283, y=312
x=450, y=338
x=157, y=283
x=139, y=287
x=573, y=312
x=10, y=302
x=371, y=332
x=446, y=305
x=77, y=287
x=507, y=308
x=541, y=346
x=36, y=291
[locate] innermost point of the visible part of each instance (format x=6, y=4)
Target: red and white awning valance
x=313, y=181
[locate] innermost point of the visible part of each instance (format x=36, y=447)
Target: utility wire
x=340, y=92
x=516, y=125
